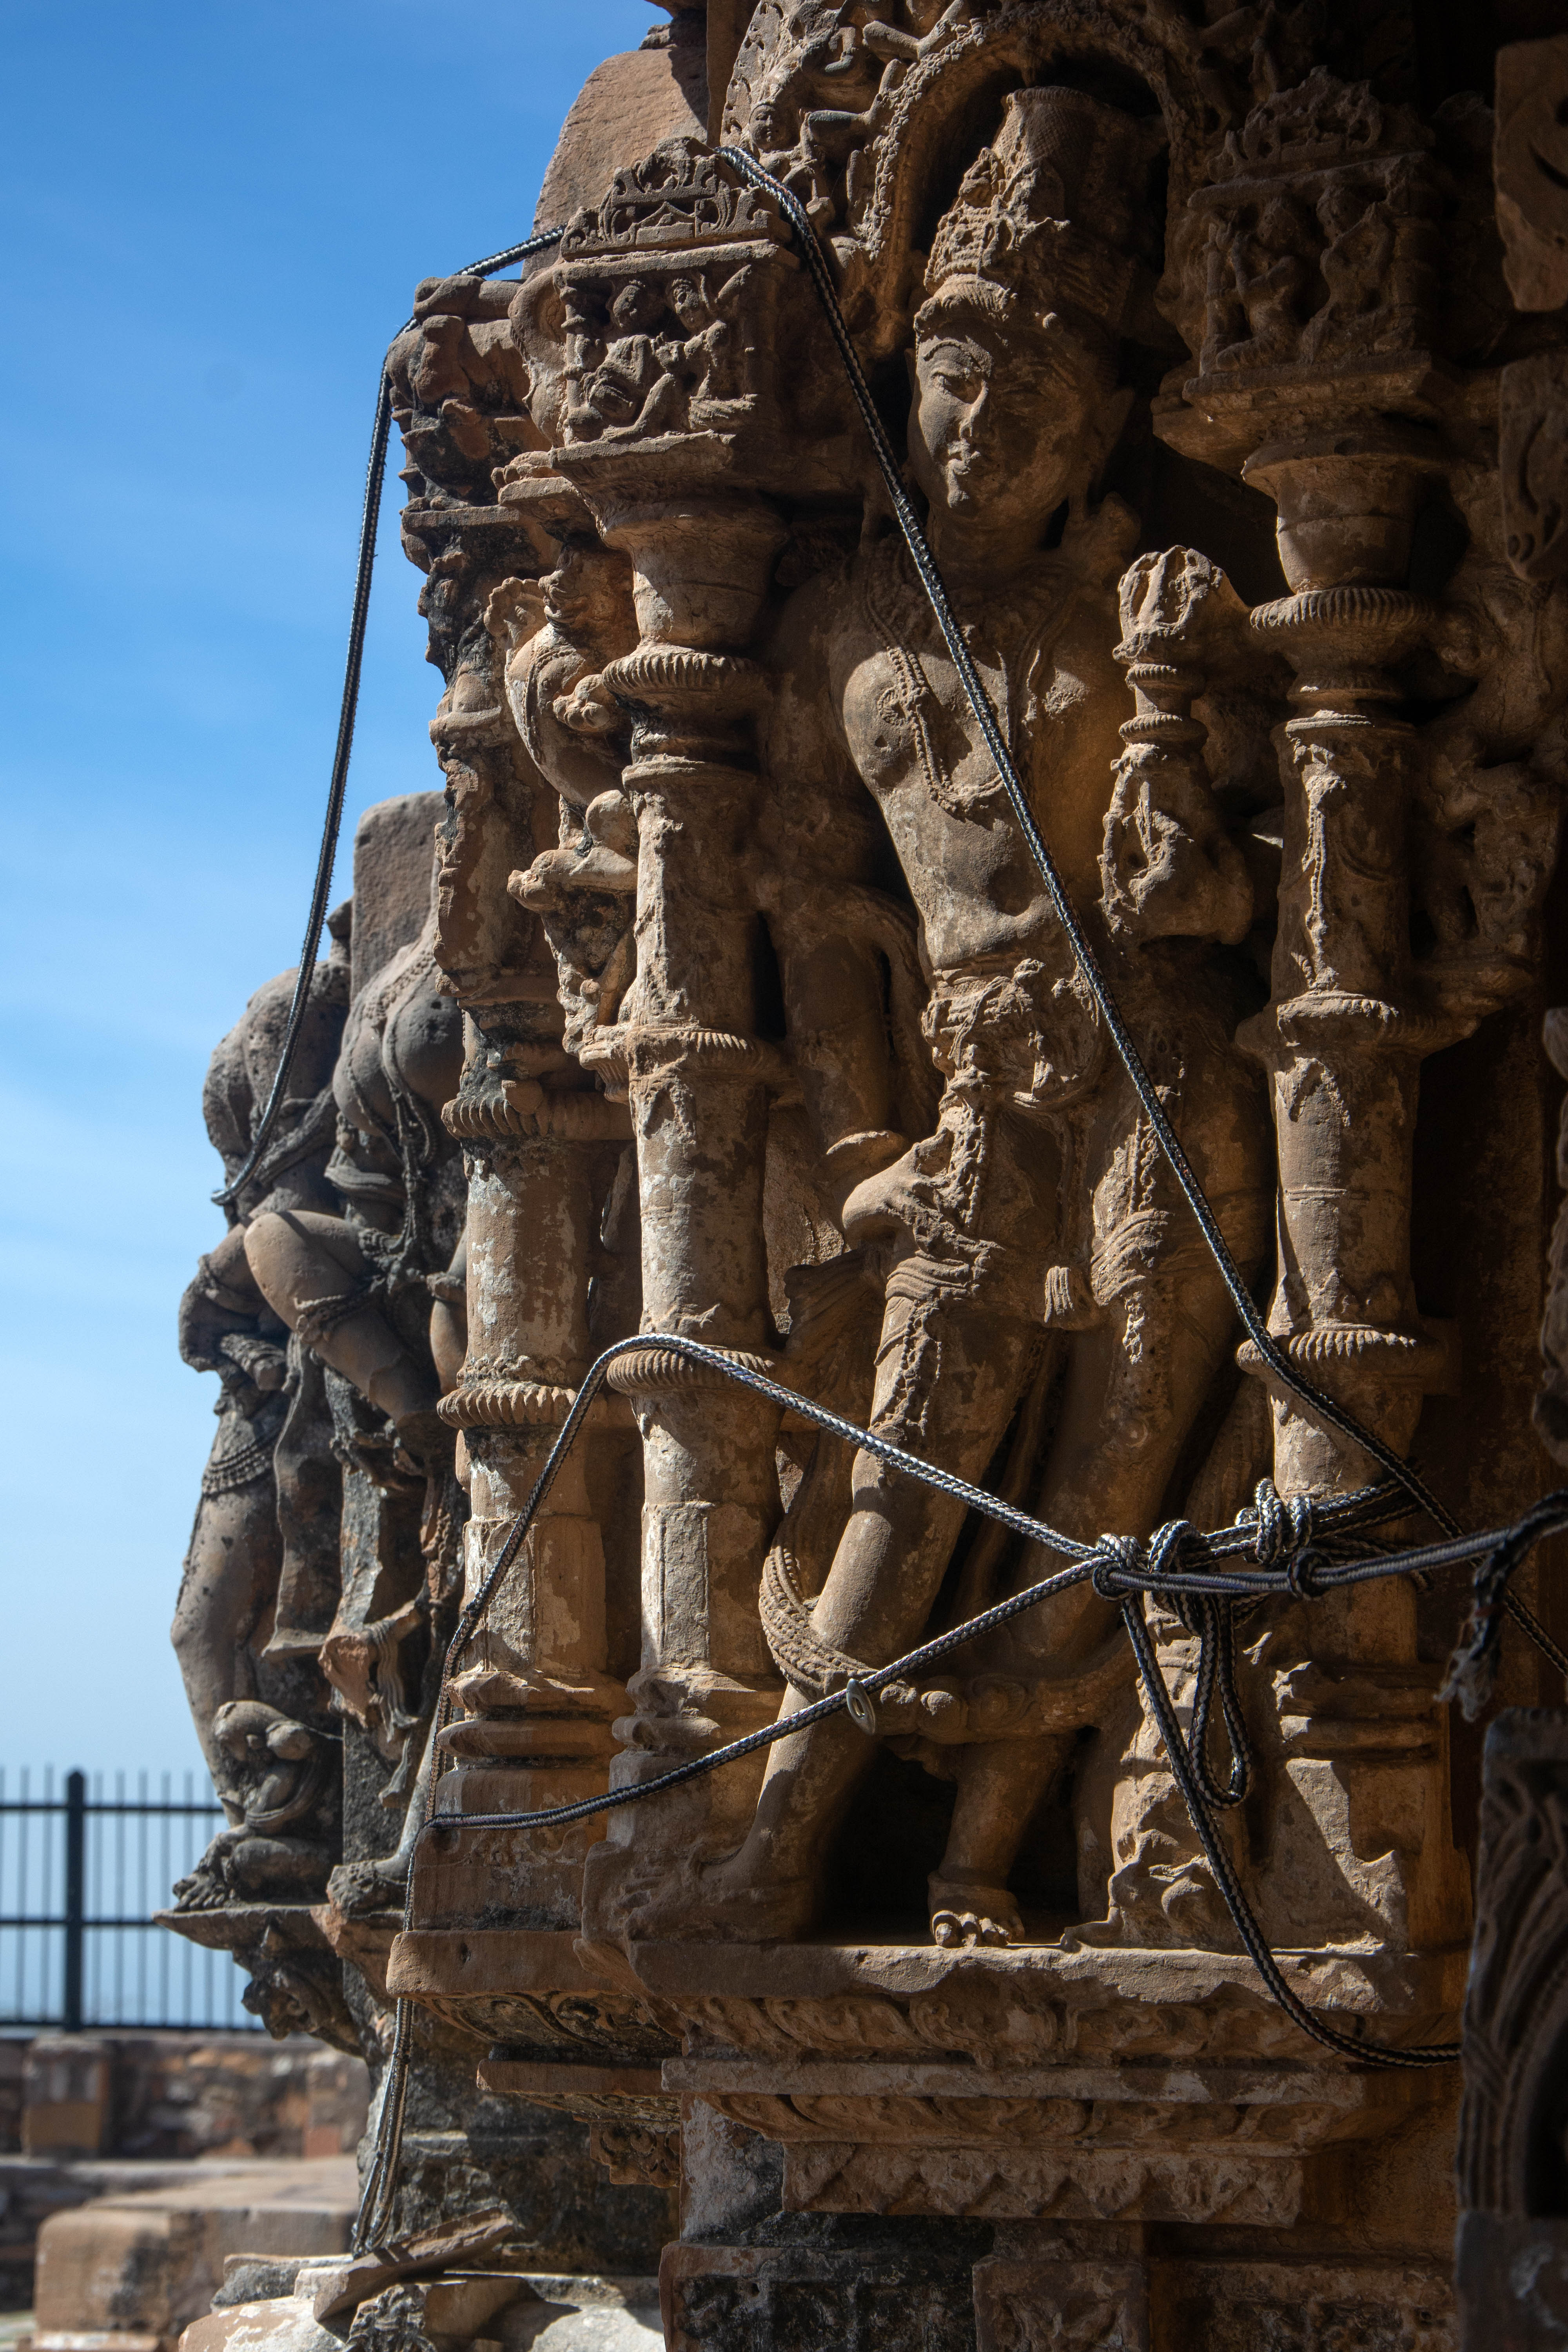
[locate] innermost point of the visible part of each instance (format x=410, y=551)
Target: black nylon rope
x=348, y=707
x=1290, y=1530
x=1118, y=1567
x=1278, y=1362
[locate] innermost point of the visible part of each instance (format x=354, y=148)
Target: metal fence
x=81, y=1874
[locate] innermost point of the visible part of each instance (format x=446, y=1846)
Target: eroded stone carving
x=280, y=1781
x=262, y=1568
x=342, y=1574
x=742, y=1014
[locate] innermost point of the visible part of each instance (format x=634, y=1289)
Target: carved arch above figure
x=875, y=179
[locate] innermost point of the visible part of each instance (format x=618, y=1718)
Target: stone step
x=129, y=2271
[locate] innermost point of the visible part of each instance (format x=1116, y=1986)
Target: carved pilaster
x=699, y=1084
x=535, y=1698
x=657, y=341
x=1337, y=416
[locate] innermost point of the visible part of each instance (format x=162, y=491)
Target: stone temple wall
x=759, y=983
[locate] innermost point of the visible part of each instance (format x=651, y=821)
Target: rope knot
x=1176, y=1547
x=1282, y=1523
x=1115, y=1559
x=1300, y=1573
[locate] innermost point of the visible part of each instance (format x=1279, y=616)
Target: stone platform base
x=891, y=2147
x=893, y=2298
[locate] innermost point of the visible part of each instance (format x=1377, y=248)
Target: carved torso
x=401, y=1061
x=989, y=938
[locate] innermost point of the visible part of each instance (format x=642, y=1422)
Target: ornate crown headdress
x=1016, y=230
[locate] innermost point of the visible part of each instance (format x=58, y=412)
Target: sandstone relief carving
x=732, y=1007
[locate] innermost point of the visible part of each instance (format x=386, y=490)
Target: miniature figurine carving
x=1038, y=1215
x=281, y=1771
x=263, y=1553
x=743, y=1015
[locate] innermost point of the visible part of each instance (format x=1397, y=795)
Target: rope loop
x=1118, y=1561
x=1178, y=1549
x=1301, y=1572
x=1283, y=1523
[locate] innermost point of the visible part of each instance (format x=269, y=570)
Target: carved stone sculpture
x=744, y=1015
x=339, y=1566
x=264, y=1552
x=280, y=1773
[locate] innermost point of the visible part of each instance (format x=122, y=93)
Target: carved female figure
x=265, y=1536
x=377, y=1294
x=377, y=1291
x=1036, y=1236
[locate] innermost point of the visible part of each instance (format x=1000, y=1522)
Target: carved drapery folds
x=1241, y=472
x=780, y=846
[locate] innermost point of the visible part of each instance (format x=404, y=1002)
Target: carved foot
x=750, y=1909
x=1187, y=1914
x=972, y=1911
x=693, y=1902
x=358, y=1887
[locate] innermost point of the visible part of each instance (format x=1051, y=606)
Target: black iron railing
x=81, y=1874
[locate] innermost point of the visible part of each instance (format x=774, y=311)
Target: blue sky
x=216, y=217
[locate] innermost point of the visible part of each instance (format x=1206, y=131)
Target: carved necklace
x=898, y=615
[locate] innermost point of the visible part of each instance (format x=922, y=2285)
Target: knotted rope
x=1277, y=1547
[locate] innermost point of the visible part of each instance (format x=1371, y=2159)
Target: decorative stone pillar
x=536, y=1699
x=698, y=1079
x=1341, y=424
x=1343, y=1039
x=1348, y=1027
x=653, y=359
x=495, y=1913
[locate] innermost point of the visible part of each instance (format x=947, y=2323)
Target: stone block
x=797, y=2299
x=144, y=2264
x=1073, y=2307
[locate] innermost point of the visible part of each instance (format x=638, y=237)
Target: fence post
x=76, y=1896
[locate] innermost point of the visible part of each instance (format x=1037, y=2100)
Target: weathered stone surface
x=627, y=106
x=742, y=1014
x=527, y=2313
x=1533, y=170
x=135, y=2269
x=188, y=2095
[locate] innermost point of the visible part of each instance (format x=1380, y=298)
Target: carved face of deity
x=1002, y=414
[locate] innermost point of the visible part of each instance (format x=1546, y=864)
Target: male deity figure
x=1035, y=1235
x=375, y=1285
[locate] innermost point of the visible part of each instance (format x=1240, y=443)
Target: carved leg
x=948, y=1380
x=231, y=1568
x=1126, y=1414
x=303, y=1261
x=310, y=1486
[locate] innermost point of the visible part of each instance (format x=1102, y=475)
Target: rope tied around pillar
x=1276, y=1547
x=1283, y=1523
x=1290, y=1548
